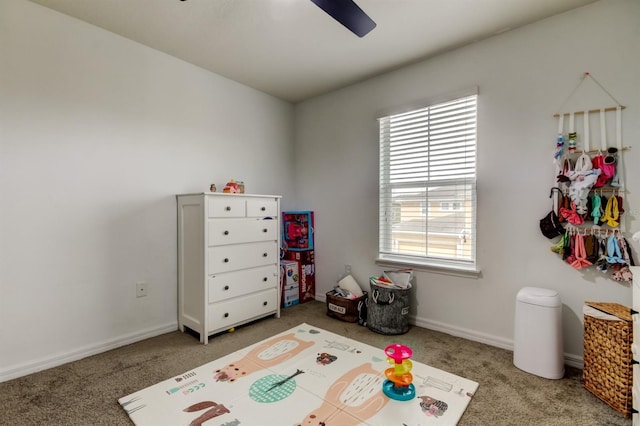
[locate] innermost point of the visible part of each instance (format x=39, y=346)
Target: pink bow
x=571, y=215
x=581, y=254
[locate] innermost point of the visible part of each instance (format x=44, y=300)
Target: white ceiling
x=291, y=48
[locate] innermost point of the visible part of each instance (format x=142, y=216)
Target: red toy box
x=290, y=282
x=306, y=273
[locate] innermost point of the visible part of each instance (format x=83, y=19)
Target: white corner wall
x=97, y=135
x=523, y=76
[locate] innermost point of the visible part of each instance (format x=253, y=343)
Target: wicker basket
x=608, y=370
x=344, y=309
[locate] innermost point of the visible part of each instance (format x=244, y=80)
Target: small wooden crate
x=608, y=369
x=342, y=308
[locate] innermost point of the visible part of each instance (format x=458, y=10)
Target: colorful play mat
x=306, y=376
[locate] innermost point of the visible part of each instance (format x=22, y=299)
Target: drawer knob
x=263, y=208
x=226, y=314
x=226, y=260
x=265, y=303
x=226, y=287
x=264, y=255
x=265, y=279
x=228, y=208
x=264, y=230
x=226, y=232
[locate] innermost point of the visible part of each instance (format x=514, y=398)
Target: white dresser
x=228, y=260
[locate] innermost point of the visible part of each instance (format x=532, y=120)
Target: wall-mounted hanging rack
x=604, y=188
x=590, y=111
x=593, y=231
x=595, y=151
x=586, y=75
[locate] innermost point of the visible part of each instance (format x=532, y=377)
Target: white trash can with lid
x=537, y=343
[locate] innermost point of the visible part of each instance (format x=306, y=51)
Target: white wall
x=97, y=135
x=523, y=76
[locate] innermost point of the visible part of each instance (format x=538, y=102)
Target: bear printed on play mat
x=347, y=391
x=269, y=354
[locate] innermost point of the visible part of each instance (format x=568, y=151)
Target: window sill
x=457, y=270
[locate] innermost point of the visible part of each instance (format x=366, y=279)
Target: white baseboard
x=476, y=336
x=574, y=361
x=488, y=339
x=83, y=352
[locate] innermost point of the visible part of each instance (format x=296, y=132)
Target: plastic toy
x=297, y=230
x=399, y=384
x=231, y=187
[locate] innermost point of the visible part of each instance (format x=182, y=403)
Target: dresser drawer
x=235, y=231
x=232, y=284
x=226, y=314
x=226, y=207
x=241, y=256
x=261, y=207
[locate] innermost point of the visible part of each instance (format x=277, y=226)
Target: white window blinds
x=428, y=185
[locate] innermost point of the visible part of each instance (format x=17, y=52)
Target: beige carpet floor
x=85, y=392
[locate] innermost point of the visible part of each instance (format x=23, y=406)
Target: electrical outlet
x=141, y=289
x=347, y=270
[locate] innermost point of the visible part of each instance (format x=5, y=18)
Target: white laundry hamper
x=538, y=347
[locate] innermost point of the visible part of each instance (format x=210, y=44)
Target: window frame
x=430, y=263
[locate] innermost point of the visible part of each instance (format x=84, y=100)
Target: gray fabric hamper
x=388, y=309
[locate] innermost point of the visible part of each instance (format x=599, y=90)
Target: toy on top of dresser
x=233, y=187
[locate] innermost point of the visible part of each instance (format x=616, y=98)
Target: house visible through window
x=428, y=185
x=446, y=205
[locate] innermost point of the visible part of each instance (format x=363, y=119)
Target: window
x=428, y=185
x=446, y=205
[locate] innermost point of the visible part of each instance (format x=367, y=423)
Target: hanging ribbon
x=613, y=251
x=585, y=137
x=601, y=263
x=619, y=127
x=603, y=130
x=573, y=136
x=580, y=253
x=559, y=246
x=611, y=212
x=615, y=181
x=559, y=141
x=596, y=211
x=561, y=124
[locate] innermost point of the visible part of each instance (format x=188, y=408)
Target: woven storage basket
x=608, y=370
x=342, y=308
